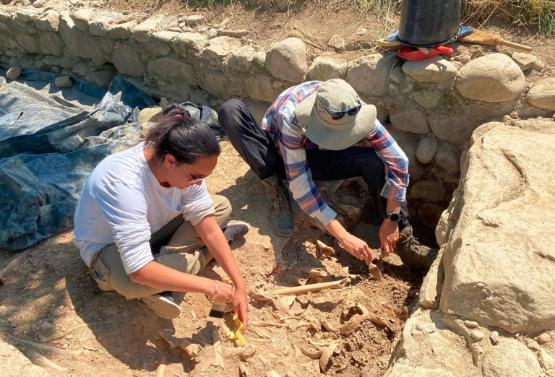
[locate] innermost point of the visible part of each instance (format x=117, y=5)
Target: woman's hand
x=222, y=292
x=241, y=306
x=356, y=247
x=389, y=235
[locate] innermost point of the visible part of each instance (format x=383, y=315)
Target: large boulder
x=429, y=349
x=500, y=260
x=542, y=94
x=286, y=60
x=369, y=74
x=434, y=69
x=15, y=364
x=491, y=78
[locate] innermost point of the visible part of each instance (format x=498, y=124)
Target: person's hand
x=389, y=235
x=356, y=247
x=223, y=292
x=241, y=306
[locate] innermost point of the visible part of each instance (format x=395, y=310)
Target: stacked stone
x=433, y=105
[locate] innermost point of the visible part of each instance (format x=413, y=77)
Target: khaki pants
x=179, y=247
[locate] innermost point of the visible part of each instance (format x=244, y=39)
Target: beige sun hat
x=335, y=99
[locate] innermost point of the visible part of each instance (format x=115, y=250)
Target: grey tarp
x=50, y=140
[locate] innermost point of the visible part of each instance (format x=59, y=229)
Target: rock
x=193, y=20
x=447, y=157
x=426, y=150
x=495, y=274
x=369, y=74
x=143, y=31
x=464, y=57
x=259, y=87
x=51, y=44
x=434, y=69
x=494, y=338
x=440, y=353
x=491, y=78
x=286, y=60
x=476, y=335
x=241, y=59
x=81, y=18
x=121, y=31
x=524, y=61
x=171, y=70
x=510, y=359
x=412, y=121
x=431, y=285
x=48, y=21
x=27, y=42
x=127, y=61
x=100, y=25
x=63, y=82
x=456, y=126
x=219, y=48
x=544, y=338
x=325, y=68
x=259, y=58
x=337, y=43
x=532, y=344
x=471, y=324
x=14, y=363
x=13, y=73
x=165, y=36
x=429, y=190
x=542, y=94
x=189, y=44
x=428, y=99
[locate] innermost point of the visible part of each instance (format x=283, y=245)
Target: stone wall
x=433, y=105
x=487, y=305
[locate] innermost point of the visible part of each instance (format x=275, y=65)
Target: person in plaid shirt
x=312, y=131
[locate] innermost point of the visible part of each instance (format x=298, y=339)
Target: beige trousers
x=180, y=248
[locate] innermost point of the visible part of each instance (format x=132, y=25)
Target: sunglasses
x=335, y=115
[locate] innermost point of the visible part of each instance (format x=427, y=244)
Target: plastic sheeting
x=50, y=140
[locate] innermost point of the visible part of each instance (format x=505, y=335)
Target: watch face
x=395, y=217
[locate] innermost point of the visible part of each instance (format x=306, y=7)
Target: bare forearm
x=393, y=206
x=215, y=241
x=156, y=275
x=336, y=230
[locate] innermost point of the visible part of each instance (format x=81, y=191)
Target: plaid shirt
x=280, y=120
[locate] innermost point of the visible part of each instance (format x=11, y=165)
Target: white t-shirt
x=122, y=202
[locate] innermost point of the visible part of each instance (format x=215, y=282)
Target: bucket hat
x=334, y=117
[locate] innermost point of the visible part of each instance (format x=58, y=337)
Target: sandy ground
x=53, y=312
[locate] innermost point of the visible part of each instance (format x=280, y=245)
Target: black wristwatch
x=394, y=217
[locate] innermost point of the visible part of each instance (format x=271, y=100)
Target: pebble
x=494, y=337
x=13, y=73
x=514, y=115
x=63, y=82
x=544, y=338
x=476, y=335
x=471, y=324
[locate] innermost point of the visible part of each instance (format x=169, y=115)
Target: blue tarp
x=50, y=140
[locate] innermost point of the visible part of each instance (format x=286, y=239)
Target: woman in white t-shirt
x=145, y=215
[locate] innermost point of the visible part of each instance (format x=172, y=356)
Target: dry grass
x=538, y=15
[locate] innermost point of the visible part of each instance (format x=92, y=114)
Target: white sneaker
x=163, y=305
x=234, y=230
